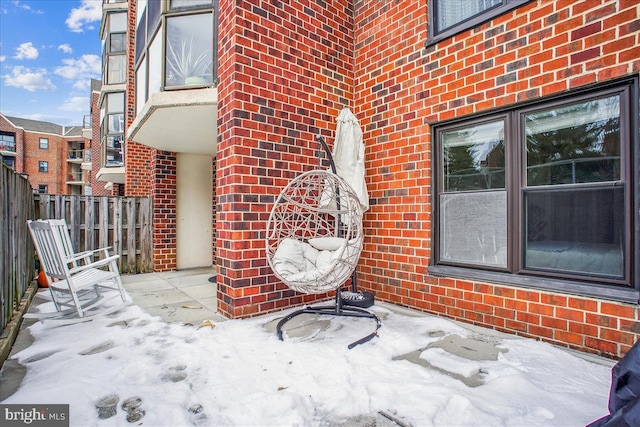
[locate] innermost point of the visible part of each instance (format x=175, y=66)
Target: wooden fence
x=123, y=223
x=16, y=250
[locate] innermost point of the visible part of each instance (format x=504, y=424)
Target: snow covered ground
x=239, y=374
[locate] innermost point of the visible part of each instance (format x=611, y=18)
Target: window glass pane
x=141, y=31
x=153, y=16
x=114, y=151
x=117, y=22
x=175, y=4
x=574, y=144
x=116, y=123
x=116, y=71
x=116, y=43
x=474, y=228
x=9, y=161
x=44, y=143
x=578, y=230
x=155, y=65
x=115, y=102
x=43, y=166
x=452, y=12
x=7, y=142
x=141, y=86
x=189, y=50
x=141, y=9
x=473, y=158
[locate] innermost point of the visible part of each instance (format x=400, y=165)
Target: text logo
x=34, y=415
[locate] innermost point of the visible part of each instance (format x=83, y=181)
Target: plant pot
x=194, y=80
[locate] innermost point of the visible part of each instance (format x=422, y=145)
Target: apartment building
x=50, y=155
x=501, y=149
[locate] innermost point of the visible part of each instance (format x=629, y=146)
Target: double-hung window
x=542, y=194
x=44, y=143
x=43, y=166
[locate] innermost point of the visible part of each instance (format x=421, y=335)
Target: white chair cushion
x=327, y=243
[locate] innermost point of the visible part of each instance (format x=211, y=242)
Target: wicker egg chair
x=314, y=233
x=314, y=239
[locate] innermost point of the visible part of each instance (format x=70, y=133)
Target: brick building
x=501, y=150
x=49, y=154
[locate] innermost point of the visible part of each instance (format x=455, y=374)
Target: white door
x=194, y=206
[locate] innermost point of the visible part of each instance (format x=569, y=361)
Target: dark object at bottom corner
x=358, y=299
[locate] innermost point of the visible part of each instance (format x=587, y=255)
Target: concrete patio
x=188, y=298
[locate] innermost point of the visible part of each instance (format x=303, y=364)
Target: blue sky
x=49, y=52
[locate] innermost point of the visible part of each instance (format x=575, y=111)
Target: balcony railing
x=76, y=155
x=75, y=176
x=8, y=146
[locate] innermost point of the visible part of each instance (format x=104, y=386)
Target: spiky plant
x=185, y=63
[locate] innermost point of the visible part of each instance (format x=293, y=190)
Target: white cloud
x=82, y=85
x=76, y=103
x=25, y=78
x=66, y=48
x=85, y=67
x=88, y=12
x=26, y=51
x=17, y=3
x=2, y=58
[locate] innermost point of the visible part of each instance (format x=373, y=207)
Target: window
x=7, y=142
x=543, y=190
x=43, y=189
x=450, y=17
x=189, y=50
x=177, y=4
x=44, y=143
x=9, y=161
x=112, y=129
x=43, y=166
x=175, y=46
x=114, y=57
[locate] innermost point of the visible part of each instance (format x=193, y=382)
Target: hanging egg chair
x=313, y=242
x=314, y=233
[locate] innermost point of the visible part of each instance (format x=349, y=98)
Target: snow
x=239, y=374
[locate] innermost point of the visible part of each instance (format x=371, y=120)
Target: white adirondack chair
x=75, y=279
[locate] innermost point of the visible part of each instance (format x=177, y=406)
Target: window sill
x=609, y=292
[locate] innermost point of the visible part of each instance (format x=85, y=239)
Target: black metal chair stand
x=347, y=307
x=340, y=308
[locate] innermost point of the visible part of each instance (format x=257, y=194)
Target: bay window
x=541, y=194
x=174, y=47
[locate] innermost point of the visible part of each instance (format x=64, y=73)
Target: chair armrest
x=99, y=263
x=87, y=254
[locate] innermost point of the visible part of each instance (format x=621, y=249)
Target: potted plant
x=186, y=65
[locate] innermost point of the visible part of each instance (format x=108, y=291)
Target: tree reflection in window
x=474, y=158
x=575, y=144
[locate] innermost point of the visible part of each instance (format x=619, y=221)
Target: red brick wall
x=138, y=158
x=6, y=126
x=97, y=187
x=164, y=211
x=54, y=155
x=285, y=72
x=542, y=48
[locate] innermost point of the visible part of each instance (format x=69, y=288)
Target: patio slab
x=185, y=296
